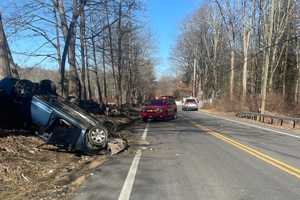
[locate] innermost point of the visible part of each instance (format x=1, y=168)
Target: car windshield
x=155, y=102
x=190, y=101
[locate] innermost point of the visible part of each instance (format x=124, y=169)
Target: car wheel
x=110, y=126
x=47, y=87
x=96, y=139
x=7, y=86
x=24, y=89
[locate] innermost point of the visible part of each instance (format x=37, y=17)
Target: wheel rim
x=23, y=89
x=98, y=136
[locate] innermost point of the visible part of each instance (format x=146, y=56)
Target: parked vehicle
x=54, y=119
x=190, y=105
x=169, y=98
x=189, y=97
x=171, y=102
x=159, y=109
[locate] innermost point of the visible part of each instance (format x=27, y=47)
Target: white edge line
x=252, y=125
x=144, y=136
x=129, y=181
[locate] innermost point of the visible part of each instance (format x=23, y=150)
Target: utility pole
x=194, y=78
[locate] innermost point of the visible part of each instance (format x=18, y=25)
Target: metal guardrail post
x=294, y=124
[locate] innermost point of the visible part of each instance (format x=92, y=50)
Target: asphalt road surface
x=199, y=156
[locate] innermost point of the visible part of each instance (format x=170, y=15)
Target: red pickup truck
x=159, y=109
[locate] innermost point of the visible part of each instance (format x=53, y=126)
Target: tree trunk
x=120, y=59
x=74, y=81
x=297, y=26
x=89, y=90
x=58, y=51
x=98, y=85
x=111, y=49
x=296, y=99
x=4, y=62
x=273, y=68
x=246, y=38
x=104, y=72
x=69, y=49
x=269, y=36
x=232, y=65
x=7, y=66
x=194, y=78
x=82, y=51
x=284, y=76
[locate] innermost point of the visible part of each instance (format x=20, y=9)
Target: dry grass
x=29, y=172
x=275, y=104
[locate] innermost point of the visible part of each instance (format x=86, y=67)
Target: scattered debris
x=45, y=174
x=116, y=145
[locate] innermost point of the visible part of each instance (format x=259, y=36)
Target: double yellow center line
x=266, y=158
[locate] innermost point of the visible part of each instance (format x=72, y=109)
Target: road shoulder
x=231, y=117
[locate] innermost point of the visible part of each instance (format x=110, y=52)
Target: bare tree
x=248, y=49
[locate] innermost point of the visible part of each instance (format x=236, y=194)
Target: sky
x=164, y=18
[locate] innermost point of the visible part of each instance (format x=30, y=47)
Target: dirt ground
x=31, y=170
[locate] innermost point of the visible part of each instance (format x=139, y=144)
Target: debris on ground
x=116, y=145
x=29, y=170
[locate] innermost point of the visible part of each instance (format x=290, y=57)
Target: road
x=199, y=156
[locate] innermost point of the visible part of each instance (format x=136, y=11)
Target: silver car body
x=190, y=104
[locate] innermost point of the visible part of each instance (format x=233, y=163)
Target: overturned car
x=55, y=120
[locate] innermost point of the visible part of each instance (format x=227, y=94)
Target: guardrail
x=271, y=119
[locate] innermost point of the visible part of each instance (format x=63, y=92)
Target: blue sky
x=164, y=18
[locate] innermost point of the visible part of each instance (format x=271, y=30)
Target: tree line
x=101, y=48
x=247, y=51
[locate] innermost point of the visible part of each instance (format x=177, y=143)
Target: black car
x=54, y=119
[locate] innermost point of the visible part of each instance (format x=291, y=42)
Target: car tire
x=174, y=117
x=47, y=87
x=7, y=86
x=24, y=89
x=110, y=126
x=96, y=139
